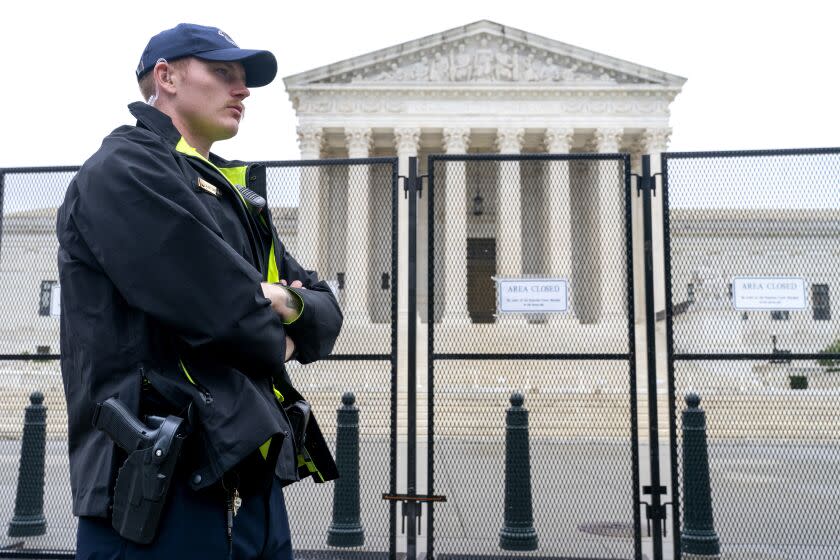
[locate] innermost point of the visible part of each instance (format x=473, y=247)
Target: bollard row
x=517, y=532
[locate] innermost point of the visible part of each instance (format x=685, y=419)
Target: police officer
x=178, y=298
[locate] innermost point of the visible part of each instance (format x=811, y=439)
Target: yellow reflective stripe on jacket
x=303, y=459
x=273, y=275
x=234, y=175
x=184, y=369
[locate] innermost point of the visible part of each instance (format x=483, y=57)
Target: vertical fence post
x=29, y=520
x=699, y=539
x=518, y=532
x=2, y=194
x=346, y=527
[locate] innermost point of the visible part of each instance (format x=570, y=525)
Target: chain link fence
x=753, y=240
x=751, y=324
x=561, y=224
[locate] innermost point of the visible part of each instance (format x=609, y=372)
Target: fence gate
x=752, y=241
x=557, y=341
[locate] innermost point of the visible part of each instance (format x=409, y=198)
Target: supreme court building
x=481, y=89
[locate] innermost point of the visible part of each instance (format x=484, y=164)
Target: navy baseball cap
x=207, y=43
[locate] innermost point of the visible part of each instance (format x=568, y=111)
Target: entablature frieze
x=634, y=104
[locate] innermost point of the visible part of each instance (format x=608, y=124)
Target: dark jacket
x=158, y=272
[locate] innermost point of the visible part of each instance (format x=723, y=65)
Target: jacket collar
x=156, y=121
x=159, y=122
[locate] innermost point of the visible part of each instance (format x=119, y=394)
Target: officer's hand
x=283, y=301
x=290, y=348
x=295, y=284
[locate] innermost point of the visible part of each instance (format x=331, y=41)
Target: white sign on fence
x=768, y=293
x=531, y=295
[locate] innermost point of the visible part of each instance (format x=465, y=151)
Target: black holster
x=143, y=480
x=298, y=414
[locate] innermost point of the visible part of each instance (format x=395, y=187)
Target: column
x=509, y=218
x=406, y=143
x=653, y=142
x=455, y=141
x=557, y=185
x=310, y=141
x=611, y=225
x=636, y=221
x=359, y=141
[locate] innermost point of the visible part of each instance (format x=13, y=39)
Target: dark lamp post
x=478, y=203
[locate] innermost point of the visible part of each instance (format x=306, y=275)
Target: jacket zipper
x=205, y=393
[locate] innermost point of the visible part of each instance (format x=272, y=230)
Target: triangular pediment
x=484, y=53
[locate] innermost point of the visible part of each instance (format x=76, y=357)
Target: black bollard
x=518, y=531
x=29, y=520
x=346, y=527
x=698, y=534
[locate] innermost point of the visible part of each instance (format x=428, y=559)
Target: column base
x=456, y=318
x=356, y=318
x=515, y=319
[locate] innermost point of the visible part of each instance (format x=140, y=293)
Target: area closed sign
x=768, y=293
x=532, y=295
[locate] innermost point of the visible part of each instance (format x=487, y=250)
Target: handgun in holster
x=143, y=480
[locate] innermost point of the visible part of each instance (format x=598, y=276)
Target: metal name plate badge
x=208, y=187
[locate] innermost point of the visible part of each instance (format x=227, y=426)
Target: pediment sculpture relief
x=484, y=60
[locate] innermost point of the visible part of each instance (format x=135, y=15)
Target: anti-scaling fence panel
x=313, y=205
x=752, y=245
x=339, y=218
x=737, y=222
x=29, y=368
x=29, y=198
x=560, y=223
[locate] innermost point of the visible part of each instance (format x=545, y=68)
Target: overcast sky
x=760, y=74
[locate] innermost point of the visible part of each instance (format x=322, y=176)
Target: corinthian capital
x=310, y=141
x=359, y=141
x=407, y=141
x=509, y=140
x=559, y=140
x=608, y=140
x=655, y=140
x=456, y=140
